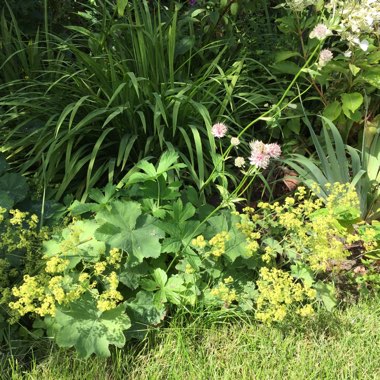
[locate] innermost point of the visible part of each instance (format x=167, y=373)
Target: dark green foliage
x=123, y=89
x=13, y=186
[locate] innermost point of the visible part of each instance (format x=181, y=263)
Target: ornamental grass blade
x=325, y=164
x=337, y=152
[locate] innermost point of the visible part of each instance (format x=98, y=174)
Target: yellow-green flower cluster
x=60, y=283
x=189, y=269
x=321, y=235
x=40, y=294
x=66, y=290
x=2, y=214
x=310, y=226
x=340, y=195
x=369, y=238
x=4, y=269
x=70, y=245
x=224, y=292
x=19, y=232
x=100, y=267
x=20, y=238
x=18, y=217
x=114, y=257
x=279, y=294
x=59, y=286
x=56, y=265
x=324, y=243
x=267, y=256
x=199, y=242
x=218, y=243
x=113, y=260
x=31, y=297
x=247, y=227
x=109, y=298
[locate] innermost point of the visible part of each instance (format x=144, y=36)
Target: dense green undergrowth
x=155, y=157
x=132, y=257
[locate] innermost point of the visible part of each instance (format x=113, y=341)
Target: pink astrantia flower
x=259, y=156
x=219, y=130
x=259, y=159
x=320, y=32
x=273, y=150
x=257, y=146
x=262, y=153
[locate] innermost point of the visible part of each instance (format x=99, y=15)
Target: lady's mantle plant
x=118, y=269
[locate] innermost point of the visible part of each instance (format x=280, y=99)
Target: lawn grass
x=344, y=344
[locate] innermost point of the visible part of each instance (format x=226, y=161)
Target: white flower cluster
x=355, y=19
x=298, y=5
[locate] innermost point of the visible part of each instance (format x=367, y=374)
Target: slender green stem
x=223, y=163
x=44, y=192
x=46, y=27
x=158, y=193
x=249, y=184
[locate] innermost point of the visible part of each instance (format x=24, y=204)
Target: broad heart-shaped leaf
x=123, y=226
x=180, y=213
x=76, y=243
x=174, y=289
x=333, y=110
x=78, y=208
x=143, y=313
x=168, y=289
x=351, y=102
x=83, y=326
x=160, y=277
x=180, y=234
x=303, y=272
x=98, y=196
x=14, y=185
x=372, y=76
x=131, y=276
x=5, y=200
x=326, y=294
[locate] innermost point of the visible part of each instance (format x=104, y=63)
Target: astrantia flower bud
x=325, y=56
x=239, y=162
x=235, y=141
